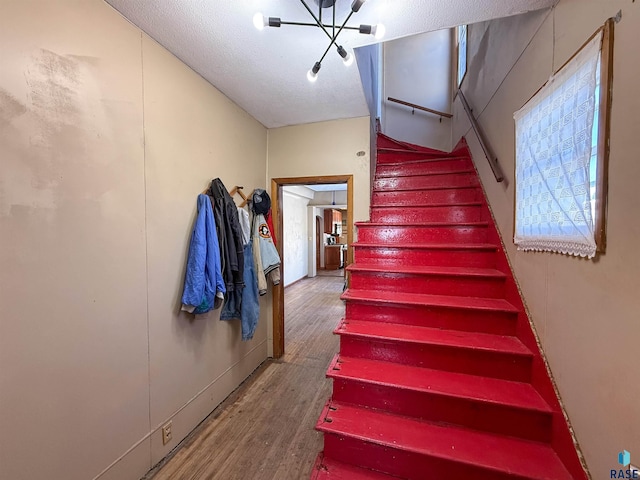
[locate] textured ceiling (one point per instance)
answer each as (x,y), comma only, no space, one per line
(264,72)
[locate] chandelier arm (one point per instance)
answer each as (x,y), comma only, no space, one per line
(333,40)
(303,24)
(318,22)
(334,20)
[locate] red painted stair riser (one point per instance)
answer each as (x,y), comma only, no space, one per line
(453,179)
(383,141)
(457,213)
(329,469)
(387,156)
(387,255)
(499,323)
(421,197)
(485,287)
(424,167)
(452,233)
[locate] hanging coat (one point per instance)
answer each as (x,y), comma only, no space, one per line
(229,235)
(204,286)
(265,254)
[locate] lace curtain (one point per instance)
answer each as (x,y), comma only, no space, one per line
(553,150)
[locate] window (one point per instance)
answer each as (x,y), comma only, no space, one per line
(562,154)
(462,53)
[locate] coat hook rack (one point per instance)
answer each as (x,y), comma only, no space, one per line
(238,189)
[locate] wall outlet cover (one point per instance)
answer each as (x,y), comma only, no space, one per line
(166,433)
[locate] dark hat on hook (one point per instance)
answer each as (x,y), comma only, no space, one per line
(261,202)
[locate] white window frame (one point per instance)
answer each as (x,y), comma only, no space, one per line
(598,163)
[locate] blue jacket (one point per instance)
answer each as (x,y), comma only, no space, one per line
(204,286)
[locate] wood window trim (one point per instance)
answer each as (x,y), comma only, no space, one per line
(604,134)
(604,122)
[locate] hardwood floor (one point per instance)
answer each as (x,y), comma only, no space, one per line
(331,273)
(264,430)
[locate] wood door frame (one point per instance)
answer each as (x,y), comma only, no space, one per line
(319,243)
(276,209)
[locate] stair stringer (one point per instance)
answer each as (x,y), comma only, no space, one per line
(563,439)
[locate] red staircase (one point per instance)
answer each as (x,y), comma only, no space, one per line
(439,375)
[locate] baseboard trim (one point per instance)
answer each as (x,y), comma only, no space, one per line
(296,281)
(148,451)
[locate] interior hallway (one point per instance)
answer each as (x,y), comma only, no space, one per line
(264,430)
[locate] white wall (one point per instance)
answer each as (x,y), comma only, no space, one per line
(369,60)
(370,67)
(295,232)
(106,140)
(324,148)
(417,69)
(585,312)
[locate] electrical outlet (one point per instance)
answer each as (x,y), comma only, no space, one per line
(166,433)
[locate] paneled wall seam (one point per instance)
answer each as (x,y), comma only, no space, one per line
(146,240)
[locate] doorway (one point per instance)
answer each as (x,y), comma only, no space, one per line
(277,185)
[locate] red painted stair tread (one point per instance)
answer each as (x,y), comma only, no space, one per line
(416,167)
(452,171)
(446,301)
(326,468)
(452,384)
(422,224)
(427,182)
(433,336)
(434,246)
(429,270)
(434,204)
(393,156)
(397,156)
(527,459)
(443,186)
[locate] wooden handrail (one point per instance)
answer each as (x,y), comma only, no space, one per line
(493,160)
(424,109)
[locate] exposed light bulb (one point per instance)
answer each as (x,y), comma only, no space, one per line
(379,31)
(312,76)
(348,60)
(258,21)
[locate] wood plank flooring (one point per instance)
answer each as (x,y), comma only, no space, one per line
(264,430)
(330,273)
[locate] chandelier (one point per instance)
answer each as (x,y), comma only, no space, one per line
(260,21)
